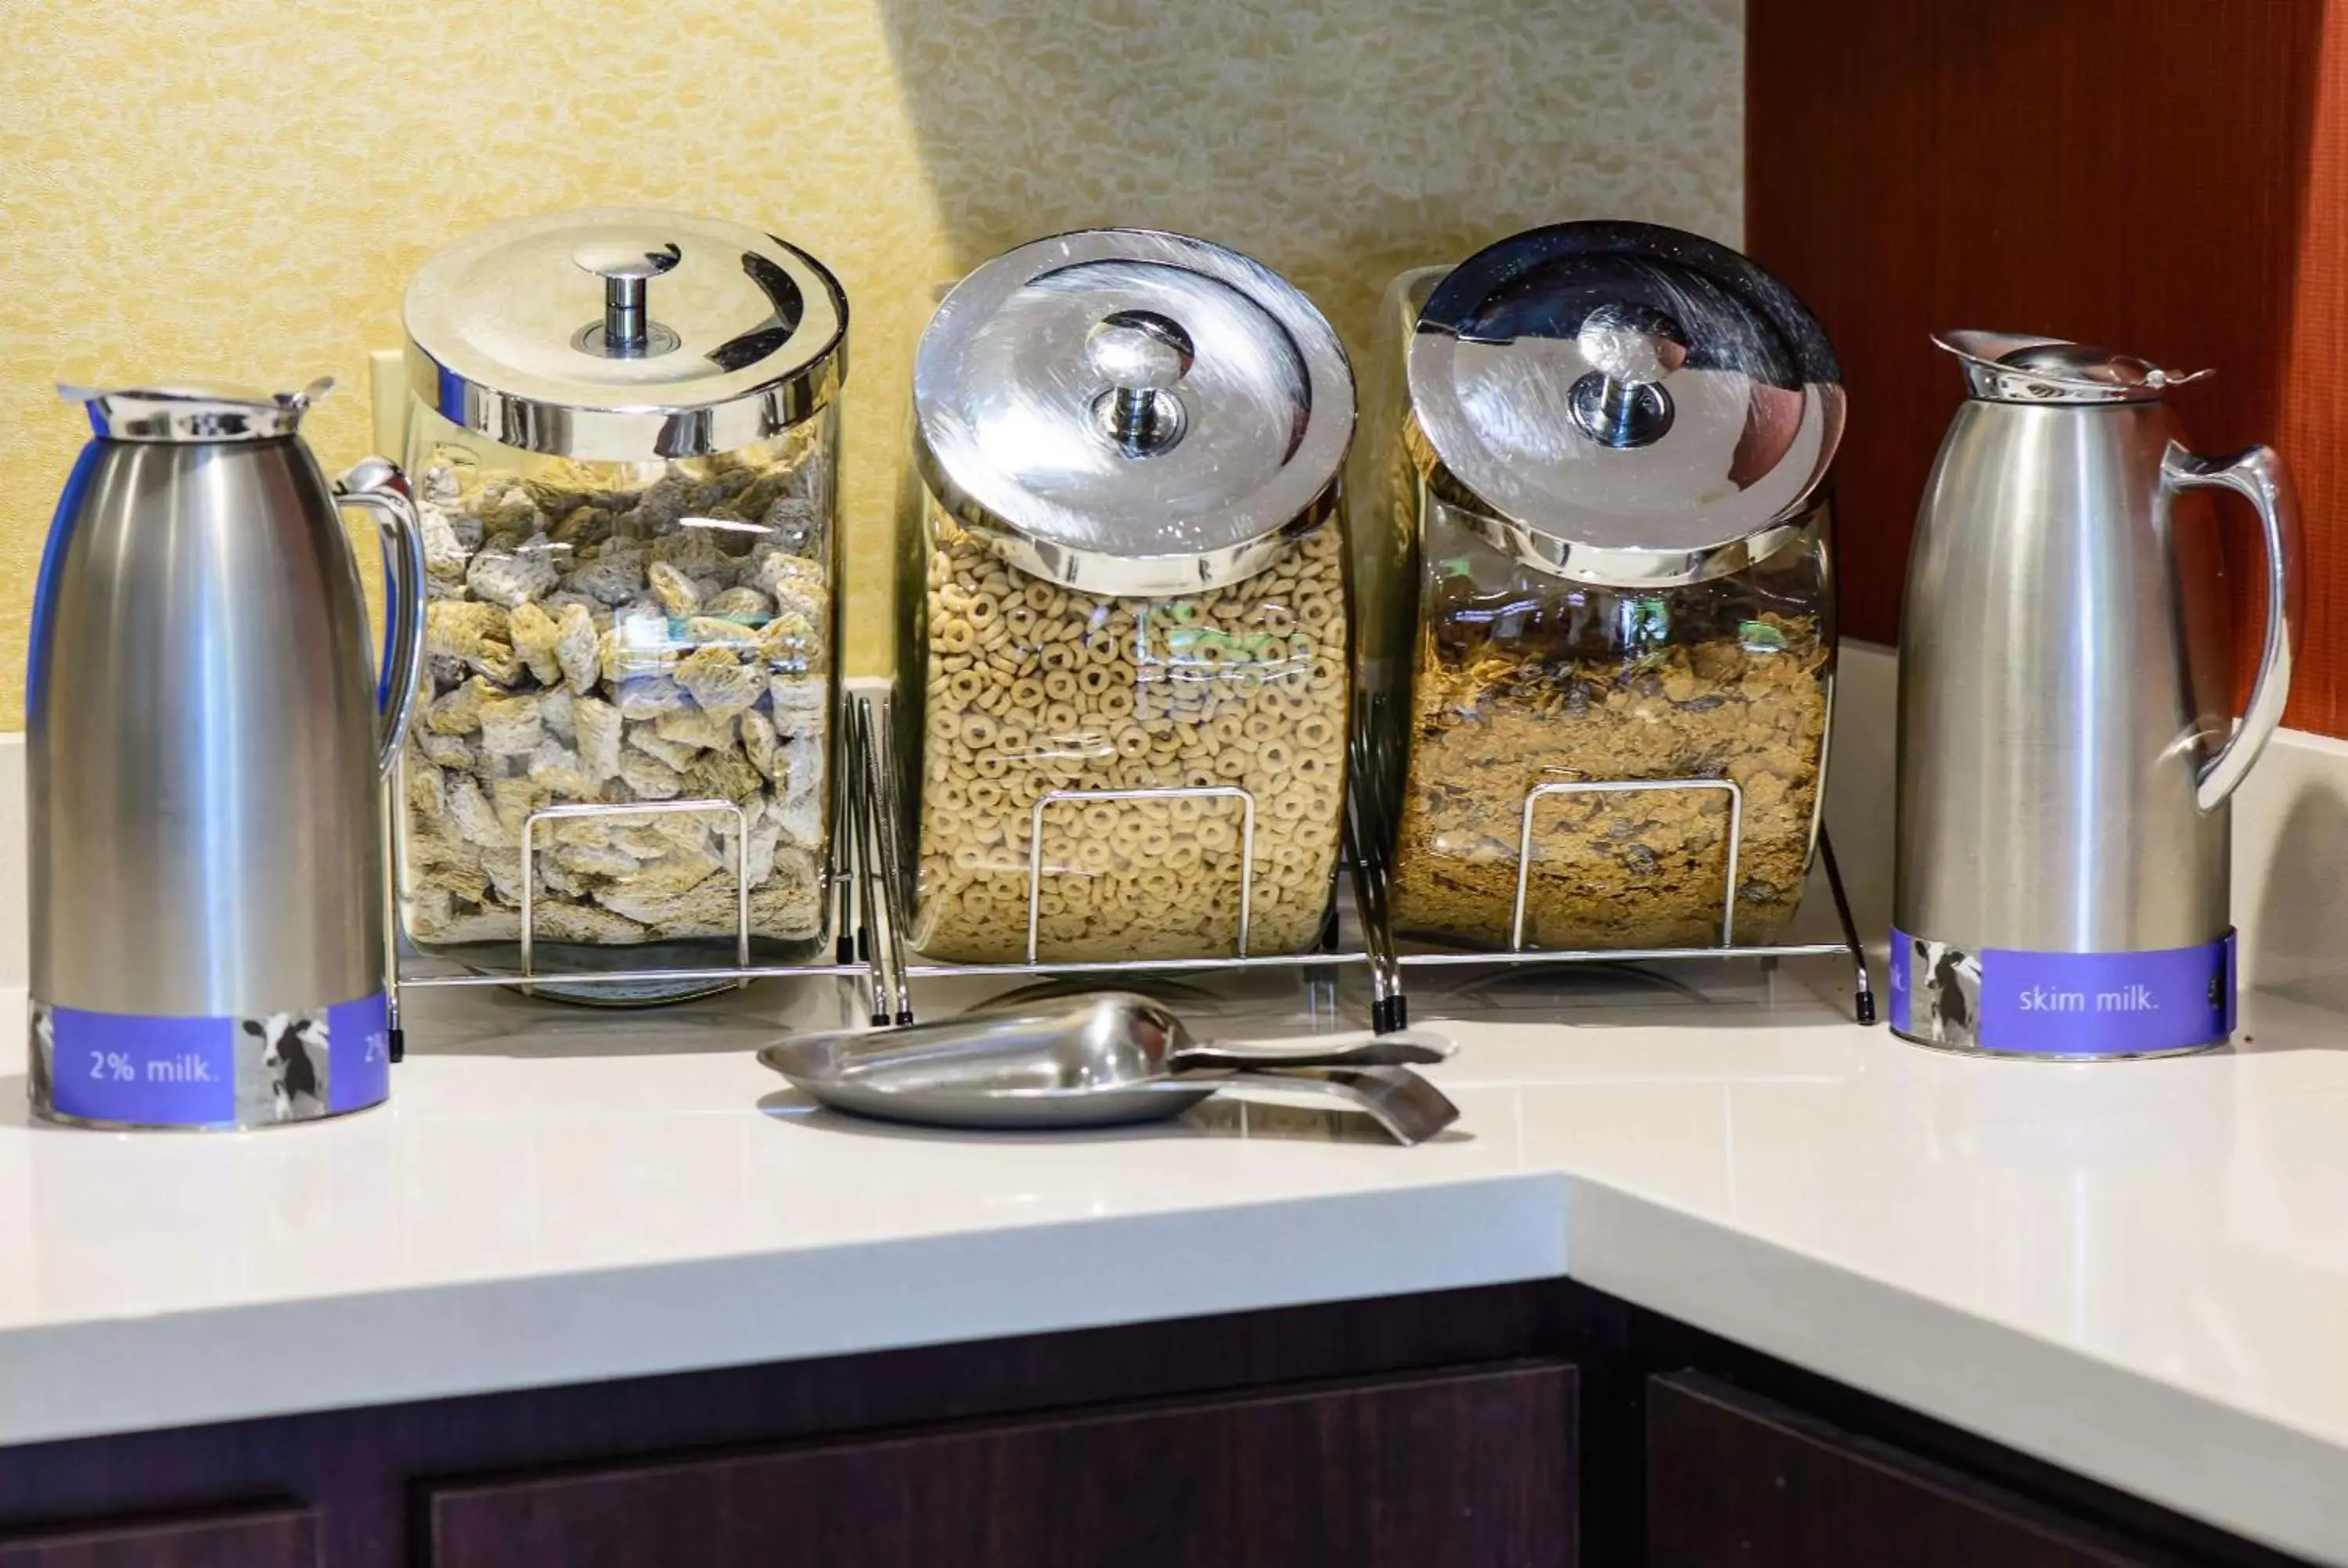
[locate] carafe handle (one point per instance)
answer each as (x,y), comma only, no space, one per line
(378,485)
(2256,476)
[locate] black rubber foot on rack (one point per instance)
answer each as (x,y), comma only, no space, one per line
(1867,1006)
(905,1018)
(879,1020)
(846,949)
(397,1045)
(1390,1015)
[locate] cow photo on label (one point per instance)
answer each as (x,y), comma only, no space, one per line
(40,1062)
(1946,1005)
(281,1067)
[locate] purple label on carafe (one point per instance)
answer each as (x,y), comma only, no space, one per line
(121,1067)
(210,1071)
(2062,1004)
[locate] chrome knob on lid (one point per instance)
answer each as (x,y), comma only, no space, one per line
(627,331)
(1142,355)
(1126,411)
(1630,349)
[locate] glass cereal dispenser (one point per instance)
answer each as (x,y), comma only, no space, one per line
(1602,648)
(623,437)
(1124,670)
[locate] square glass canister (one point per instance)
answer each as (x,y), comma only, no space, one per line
(624,439)
(1598,608)
(1125,667)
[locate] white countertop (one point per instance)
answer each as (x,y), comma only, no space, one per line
(2136,1271)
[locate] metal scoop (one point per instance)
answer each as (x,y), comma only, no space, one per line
(1095,1061)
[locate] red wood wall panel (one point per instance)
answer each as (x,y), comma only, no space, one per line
(2313,418)
(2166,176)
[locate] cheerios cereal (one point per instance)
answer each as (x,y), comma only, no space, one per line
(1032,690)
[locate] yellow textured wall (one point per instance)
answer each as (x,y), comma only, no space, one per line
(239,191)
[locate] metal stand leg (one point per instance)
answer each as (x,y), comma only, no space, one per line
(878,932)
(881,800)
(844,852)
(874,820)
(1865,988)
(394,1036)
(1389,1007)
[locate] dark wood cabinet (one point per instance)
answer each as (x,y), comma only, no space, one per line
(1534,1424)
(1471,1470)
(1738,1481)
(270,1538)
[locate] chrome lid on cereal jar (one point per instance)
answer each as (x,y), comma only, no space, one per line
(1622,404)
(1122,411)
(625,334)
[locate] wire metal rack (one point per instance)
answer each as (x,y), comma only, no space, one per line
(865,944)
(1367,941)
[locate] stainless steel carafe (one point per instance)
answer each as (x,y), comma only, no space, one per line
(207,738)
(2066,748)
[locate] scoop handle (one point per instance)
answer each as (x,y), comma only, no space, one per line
(1408,1106)
(1410,1048)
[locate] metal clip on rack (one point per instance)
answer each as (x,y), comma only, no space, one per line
(885,887)
(1184,792)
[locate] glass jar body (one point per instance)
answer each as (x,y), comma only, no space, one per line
(609,634)
(1533,699)
(1109,771)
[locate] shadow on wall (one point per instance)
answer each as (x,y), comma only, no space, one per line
(2296,946)
(1862,782)
(1339,143)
